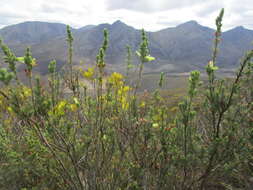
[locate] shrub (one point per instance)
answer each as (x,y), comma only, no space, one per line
(66,136)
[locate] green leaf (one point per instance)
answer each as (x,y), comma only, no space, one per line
(138,53)
(6,76)
(149,58)
(21,59)
(214,68)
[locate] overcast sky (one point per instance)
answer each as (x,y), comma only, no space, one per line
(148,14)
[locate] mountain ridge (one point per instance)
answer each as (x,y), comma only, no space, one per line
(182,48)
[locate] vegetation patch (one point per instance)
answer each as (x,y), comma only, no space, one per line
(86,130)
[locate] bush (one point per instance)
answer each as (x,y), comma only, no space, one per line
(67,136)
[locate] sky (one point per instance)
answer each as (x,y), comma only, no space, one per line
(152,15)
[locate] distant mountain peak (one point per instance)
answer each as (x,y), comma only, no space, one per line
(239,28)
(32,32)
(118,22)
(39,23)
(87,27)
(189,23)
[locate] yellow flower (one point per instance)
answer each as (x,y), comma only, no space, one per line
(123,90)
(73,107)
(62,104)
(10,110)
(143,104)
(124,103)
(27,91)
(116,79)
(126,89)
(123,96)
(89,74)
(60,108)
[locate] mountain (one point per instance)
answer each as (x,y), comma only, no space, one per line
(234,44)
(188,45)
(178,49)
(85,28)
(32,32)
(20,36)
(87,43)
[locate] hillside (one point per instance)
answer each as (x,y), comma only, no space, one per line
(179,49)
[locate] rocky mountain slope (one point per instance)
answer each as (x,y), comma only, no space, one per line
(179,49)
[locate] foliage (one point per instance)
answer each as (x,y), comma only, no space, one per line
(62,136)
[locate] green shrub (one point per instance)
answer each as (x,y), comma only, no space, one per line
(69,136)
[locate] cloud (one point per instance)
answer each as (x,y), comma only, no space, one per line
(208,8)
(238,13)
(76,12)
(150,5)
(149,14)
(168,23)
(10,15)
